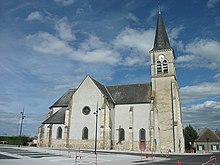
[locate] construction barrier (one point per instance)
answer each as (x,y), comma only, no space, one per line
(212,160)
(85,158)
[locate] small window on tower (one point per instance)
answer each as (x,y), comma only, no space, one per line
(159,67)
(165,66)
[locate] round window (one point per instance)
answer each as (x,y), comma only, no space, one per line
(86,110)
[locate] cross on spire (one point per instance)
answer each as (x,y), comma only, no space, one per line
(159,6)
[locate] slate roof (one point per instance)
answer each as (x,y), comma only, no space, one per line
(104,90)
(207,133)
(118,94)
(161,40)
(56,118)
(126,94)
(64,100)
(131,93)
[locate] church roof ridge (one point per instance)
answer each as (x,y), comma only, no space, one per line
(128,84)
(103,89)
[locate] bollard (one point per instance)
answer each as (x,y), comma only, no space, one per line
(178,163)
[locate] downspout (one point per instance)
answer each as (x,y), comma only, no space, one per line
(173,117)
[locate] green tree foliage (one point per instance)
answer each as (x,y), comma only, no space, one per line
(190,135)
(15,140)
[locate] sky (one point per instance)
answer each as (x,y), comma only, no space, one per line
(48,47)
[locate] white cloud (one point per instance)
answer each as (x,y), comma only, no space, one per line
(217,20)
(135,39)
(35,16)
(64,29)
(207,113)
(65,2)
(137,43)
(200,91)
(132,17)
(204,47)
(92,42)
(152,16)
(174,33)
(186,58)
(212,3)
(91,51)
(134,59)
(47,43)
(217,77)
(202,53)
(99,56)
(207,105)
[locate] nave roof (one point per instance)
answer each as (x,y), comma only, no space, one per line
(117,94)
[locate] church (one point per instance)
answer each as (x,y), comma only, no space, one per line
(129,117)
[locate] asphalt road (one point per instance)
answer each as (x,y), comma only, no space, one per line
(36,156)
(186,160)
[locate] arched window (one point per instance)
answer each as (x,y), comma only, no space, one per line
(142,134)
(121,135)
(165,66)
(162,66)
(159,67)
(59,133)
(85,133)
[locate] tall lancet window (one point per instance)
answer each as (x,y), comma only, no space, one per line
(142,139)
(85,133)
(121,135)
(59,133)
(142,134)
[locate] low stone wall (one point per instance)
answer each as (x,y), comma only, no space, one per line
(43,143)
(59,143)
(83,144)
(126,146)
(90,144)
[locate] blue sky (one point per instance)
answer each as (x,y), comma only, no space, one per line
(49,46)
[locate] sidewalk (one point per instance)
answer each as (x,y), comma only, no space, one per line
(55,156)
(47,156)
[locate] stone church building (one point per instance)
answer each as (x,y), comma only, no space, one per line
(131,117)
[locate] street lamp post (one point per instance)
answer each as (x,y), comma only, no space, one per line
(22,119)
(96,113)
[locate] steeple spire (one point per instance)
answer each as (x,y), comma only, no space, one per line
(161,40)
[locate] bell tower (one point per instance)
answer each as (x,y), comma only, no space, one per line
(167,126)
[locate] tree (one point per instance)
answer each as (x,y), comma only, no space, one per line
(190,135)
